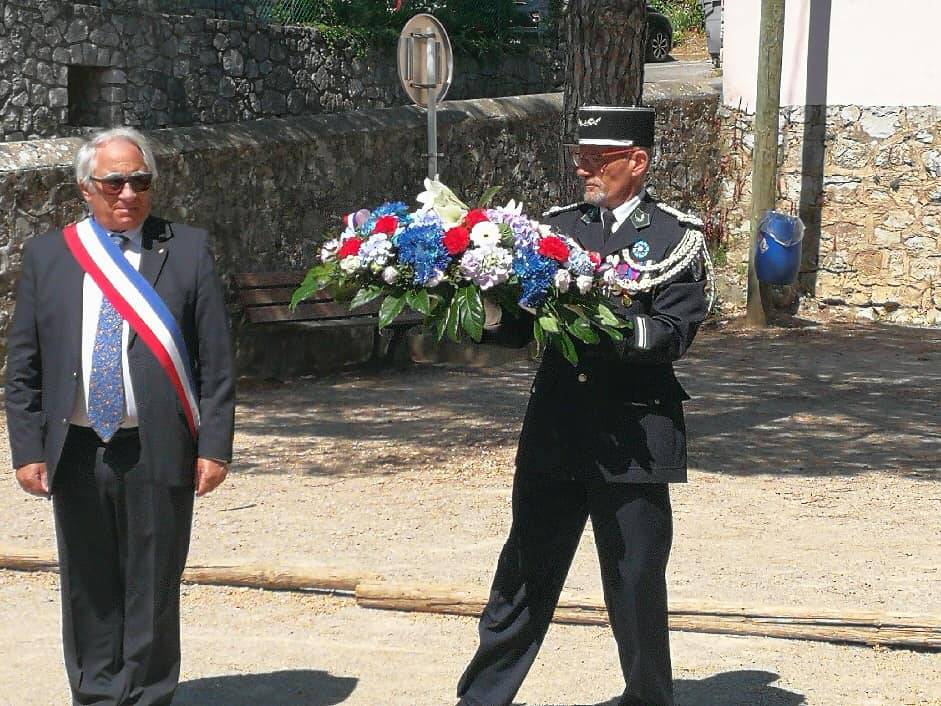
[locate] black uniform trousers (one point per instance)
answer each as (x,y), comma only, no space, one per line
(633,532)
(123,541)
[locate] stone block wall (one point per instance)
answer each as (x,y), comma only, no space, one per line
(269,190)
(67,67)
(865,182)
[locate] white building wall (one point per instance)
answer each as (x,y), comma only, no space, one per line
(859,52)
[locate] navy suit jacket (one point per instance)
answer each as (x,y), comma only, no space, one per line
(44,354)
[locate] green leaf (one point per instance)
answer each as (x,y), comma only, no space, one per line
(391,307)
(506,234)
(549,323)
(419,301)
(539,334)
(315,280)
(454,319)
(472,311)
(568,348)
(582,330)
(613,333)
(487,196)
(606,316)
(365,295)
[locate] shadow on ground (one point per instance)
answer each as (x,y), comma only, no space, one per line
(813,401)
(298,687)
(742,688)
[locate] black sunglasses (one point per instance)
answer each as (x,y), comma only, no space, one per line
(114,184)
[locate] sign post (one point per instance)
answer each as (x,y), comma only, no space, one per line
(426,66)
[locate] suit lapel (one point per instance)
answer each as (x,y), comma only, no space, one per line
(71,279)
(155,236)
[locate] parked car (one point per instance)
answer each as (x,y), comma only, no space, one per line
(659,29)
(659,36)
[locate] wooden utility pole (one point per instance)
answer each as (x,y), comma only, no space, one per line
(765,157)
(604,64)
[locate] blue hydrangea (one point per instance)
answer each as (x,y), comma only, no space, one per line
(535,274)
(579,262)
(389,208)
(421,248)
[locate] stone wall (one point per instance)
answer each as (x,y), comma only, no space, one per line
(270,189)
(65,67)
(865,182)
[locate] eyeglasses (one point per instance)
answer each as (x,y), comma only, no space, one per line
(592,160)
(113,184)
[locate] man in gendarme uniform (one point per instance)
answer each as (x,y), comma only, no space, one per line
(602,439)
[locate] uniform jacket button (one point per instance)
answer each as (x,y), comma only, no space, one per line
(582,377)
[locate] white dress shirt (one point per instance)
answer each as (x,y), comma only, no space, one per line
(624,211)
(91,306)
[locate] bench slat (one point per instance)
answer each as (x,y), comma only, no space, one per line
(278,295)
(245,280)
(329,314)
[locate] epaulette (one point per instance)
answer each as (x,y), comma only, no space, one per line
(555,210)
(684,218)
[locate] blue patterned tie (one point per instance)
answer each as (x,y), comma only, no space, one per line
(106,385)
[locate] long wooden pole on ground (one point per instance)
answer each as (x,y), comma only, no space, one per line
(910,632)
(765,157)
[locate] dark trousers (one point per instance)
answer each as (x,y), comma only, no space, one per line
(633,533)
(122,542)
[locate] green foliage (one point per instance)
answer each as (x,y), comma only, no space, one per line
(475,28)
(685,16)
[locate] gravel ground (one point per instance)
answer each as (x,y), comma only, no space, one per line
(815,468)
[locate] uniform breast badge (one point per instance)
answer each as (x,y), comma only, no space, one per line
(640,250)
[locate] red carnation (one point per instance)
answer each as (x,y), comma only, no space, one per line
(456,240)
(349,247)
(554,248)
(595,258)
(478,215)
(386,224)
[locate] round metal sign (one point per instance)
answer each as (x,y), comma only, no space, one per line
(426,62)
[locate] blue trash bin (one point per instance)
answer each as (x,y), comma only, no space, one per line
(778,256)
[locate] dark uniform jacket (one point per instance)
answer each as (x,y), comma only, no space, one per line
(44,354)
(619,411)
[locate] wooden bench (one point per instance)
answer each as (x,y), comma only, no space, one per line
(266,297)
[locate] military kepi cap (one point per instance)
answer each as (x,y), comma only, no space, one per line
(615,126)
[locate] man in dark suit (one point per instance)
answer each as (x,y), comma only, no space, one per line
(98,422)
(604,438)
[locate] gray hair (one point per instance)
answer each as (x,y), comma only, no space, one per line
(87,154)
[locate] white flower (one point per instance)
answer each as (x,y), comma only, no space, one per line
(613,260)
(610,277)
(563,279)
(436,279)
(544,230)
(584,282)
(448,206)
(515,208)
(390,275)
(485,235)
(329,250)
(351,263)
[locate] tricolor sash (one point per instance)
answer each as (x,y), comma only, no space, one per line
(135,300)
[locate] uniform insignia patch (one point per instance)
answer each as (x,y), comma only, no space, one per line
(640,218)
(640,250)
(592,215)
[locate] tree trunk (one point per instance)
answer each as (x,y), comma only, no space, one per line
(604,65)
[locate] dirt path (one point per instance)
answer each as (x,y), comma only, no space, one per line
(815,482)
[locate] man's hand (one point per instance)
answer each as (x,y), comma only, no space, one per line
(209,474)
(33,479)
